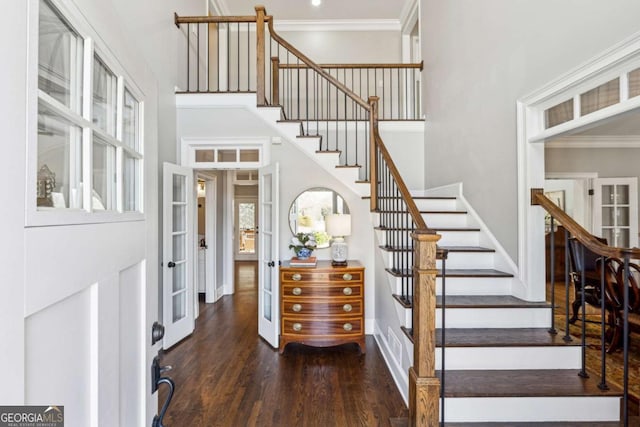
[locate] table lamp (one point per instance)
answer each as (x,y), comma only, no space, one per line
(338,226)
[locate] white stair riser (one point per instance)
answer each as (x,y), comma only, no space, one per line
(311,145)
(445,220)
(474,358)
(495,317)
(468,260)
(459,238)
(290,129)
(436,204)
(271,114)
(475,285)
(513,409)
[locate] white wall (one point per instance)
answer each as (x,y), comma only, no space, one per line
(480,57)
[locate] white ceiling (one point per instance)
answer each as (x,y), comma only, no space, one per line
(328,10)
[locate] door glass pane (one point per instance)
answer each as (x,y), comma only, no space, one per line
(267,216)
(608,234)
(205,155)
(179,306)
(179,218)
(622,194)
(179,246)
(130,121)
(179,188)
(623,237)
(227,156)
(105,90)
(600,97)
(60,52)
(267,192)
(179,279)
(267,238)
(104,174)
(247,227)
(266,306)
(59,179)
(558,114)
(608,217)
(607,195)
(130,182)
(249,155)
(622,217)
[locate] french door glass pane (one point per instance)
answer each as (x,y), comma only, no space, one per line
(59,177)
(608,233)
(608,195)
(105,90)
(179,247)
(622,194)
(60,52)
(622,217)
(130,121)
(104,172)
(247,227)
(130,182)
(179,279)
(179,306)
(179,218)
(266,309)
(623,238)
(608,217)
(179,188)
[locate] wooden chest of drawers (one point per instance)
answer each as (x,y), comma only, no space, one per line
(322,306)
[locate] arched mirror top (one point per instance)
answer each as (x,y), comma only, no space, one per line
(309,210)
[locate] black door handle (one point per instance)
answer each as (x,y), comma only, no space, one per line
(156,380)
(171,264)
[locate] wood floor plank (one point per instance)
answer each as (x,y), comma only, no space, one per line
(227,376)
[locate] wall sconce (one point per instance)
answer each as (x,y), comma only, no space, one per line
(339,226)
(316,2)
(201,192)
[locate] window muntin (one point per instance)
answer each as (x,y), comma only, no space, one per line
(60,52)
(110,178)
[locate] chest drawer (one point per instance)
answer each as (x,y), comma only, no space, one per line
(321,307)
(312,276)
(331,327)
(321,291)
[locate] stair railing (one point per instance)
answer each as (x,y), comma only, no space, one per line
(219,58)
(613,293)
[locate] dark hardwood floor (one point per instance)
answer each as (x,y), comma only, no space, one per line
(227,376)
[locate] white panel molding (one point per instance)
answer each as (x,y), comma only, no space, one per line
(595,141)
(337,25)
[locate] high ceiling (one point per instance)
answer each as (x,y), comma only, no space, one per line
(329,9)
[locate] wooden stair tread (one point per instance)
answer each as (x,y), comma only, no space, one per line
(523,383)
(455,272)
(489,301)
(636,421)
(501,337)
(429,212)
(437,229)
(414,197)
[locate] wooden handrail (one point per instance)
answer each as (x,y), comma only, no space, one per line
(301,56)
(213,19)
(576,230)
(356,66)
(402,187)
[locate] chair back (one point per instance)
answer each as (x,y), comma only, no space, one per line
(575,256)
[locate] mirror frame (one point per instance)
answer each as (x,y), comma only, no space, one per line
(338,205)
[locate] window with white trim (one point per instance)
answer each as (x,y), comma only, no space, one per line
(89,144)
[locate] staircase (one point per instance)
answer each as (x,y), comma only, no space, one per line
(500,363)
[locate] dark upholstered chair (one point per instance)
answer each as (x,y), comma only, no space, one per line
(591,289)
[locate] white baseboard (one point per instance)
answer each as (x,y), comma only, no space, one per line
(400,377)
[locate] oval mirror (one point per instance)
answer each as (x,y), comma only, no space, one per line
(309,209)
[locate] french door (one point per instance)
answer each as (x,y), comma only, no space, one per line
(177,254)
(268,304)
(615,211)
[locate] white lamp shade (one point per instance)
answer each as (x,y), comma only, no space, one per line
(338,225)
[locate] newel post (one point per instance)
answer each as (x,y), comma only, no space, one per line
(373,151)
(275,82)
(260,65)
(424,386)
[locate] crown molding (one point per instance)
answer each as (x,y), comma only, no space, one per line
(338,25)
(595,141)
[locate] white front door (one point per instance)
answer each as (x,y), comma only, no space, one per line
(177,253)
(615,211)
(268,304)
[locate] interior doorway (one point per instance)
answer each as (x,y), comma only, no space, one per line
(246,228)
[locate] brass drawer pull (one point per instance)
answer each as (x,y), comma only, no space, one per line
(347,291)
(347,307)
(296,291)
(297,327)
(296,276)
(347,327)
(296,307)
(347,276)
